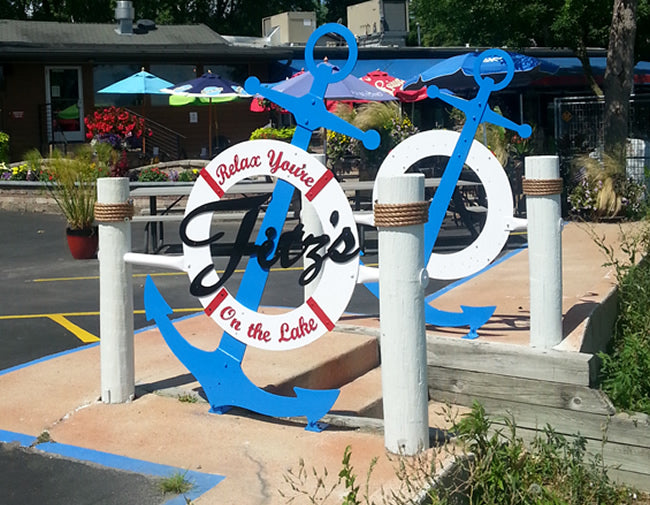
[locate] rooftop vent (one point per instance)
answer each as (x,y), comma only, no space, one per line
(145,25)
(124,14)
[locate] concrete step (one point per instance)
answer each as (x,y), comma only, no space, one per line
(333,362)
(361,397)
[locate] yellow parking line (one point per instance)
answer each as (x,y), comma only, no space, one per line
(77,331)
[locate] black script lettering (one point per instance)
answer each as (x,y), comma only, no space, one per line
(348,251)
(266,248)
(346,238)
(310,273)
(287,240)
(252,205)
(272,249)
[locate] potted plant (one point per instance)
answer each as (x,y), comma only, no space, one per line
(71,181)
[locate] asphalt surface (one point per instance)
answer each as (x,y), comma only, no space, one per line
(50,304)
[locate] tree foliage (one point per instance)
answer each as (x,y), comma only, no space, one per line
(228,17)
(511,23)
(576,24)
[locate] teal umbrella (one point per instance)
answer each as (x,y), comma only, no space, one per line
(140,83)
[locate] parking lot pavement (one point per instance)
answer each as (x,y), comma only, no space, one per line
(31,477)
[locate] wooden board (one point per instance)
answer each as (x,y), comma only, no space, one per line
(551,394)
(593,426)
(512,360)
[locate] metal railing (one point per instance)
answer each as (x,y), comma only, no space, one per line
(167,142)
(164,141)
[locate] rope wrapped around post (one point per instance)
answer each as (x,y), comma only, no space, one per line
(542,187)
(113,212)
(401,214)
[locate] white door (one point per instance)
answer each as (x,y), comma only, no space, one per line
(63,94)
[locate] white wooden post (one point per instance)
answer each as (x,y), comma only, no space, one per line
(310,220)
(115,298)
(402,278)
(544,250)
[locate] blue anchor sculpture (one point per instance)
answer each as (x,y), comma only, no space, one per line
(219,371)
(476,111)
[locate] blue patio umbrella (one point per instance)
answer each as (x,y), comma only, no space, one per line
(351,88)
(140,83)
(207,89)
(457,73)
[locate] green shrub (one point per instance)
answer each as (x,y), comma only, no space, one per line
(284,134)
(152,175)
(552,469)
(175,484)
(4,147)
(625,374)
(626,366)
(494,466)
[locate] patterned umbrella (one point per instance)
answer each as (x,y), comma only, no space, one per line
(349,89)
(394,86)
(209,89)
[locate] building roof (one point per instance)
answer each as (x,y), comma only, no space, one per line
(32,40)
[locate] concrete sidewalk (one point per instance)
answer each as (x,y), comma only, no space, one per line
(61,395)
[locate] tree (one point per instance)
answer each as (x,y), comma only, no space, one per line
(557,23)
(337,10)
(513,23)
(579,25)
(619,78)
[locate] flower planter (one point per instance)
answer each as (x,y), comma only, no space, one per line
(83,243)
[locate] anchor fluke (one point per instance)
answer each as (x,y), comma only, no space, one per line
(155,305)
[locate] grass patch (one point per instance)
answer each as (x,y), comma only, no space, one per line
(43,438)
(187,398)
(176,483)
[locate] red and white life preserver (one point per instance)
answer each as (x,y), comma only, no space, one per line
(318,314)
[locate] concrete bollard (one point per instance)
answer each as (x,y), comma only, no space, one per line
(543,186)
(402,278)
(115,296)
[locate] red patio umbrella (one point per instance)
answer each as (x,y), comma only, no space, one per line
(393,85)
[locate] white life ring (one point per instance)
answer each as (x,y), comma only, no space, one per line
(331,296)
(499,218)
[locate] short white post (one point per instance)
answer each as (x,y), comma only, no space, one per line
(543,187)
(115,297)
(312,225)
(402,279)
